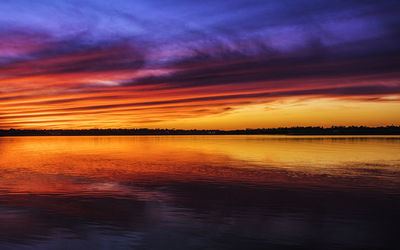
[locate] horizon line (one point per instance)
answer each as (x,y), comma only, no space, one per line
(333,130)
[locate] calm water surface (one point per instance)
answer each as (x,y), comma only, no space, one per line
(200,192)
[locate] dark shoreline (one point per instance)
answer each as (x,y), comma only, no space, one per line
(335,130)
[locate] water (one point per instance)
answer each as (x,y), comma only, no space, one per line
(200,192)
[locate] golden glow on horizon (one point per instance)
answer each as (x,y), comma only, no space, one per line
(79,101)
(285,112)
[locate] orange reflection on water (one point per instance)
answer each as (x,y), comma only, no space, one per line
(90,165)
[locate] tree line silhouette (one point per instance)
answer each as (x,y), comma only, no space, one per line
(334,130)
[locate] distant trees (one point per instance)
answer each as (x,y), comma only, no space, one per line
(334,130)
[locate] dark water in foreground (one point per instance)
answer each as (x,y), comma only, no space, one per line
(200,192)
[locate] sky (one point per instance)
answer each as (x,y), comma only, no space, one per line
(206,64)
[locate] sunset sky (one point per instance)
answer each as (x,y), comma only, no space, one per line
(205,64)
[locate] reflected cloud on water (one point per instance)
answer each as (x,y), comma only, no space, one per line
(218,192)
